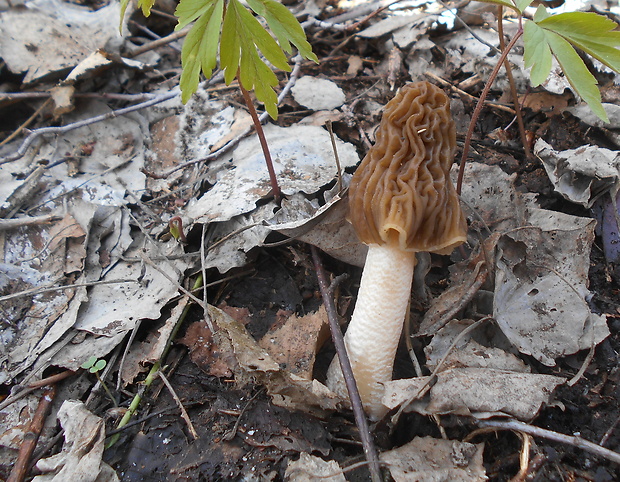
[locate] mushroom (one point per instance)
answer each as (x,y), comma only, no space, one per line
(401,201)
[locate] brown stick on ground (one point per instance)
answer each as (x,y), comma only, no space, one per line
(20,469)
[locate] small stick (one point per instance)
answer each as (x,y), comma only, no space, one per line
(176,398)
(335,149)
(20,469)
(21,151)
(158,43)
(338,339)
(554,436)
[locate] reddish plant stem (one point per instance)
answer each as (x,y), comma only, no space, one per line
(277,194)
(345,365)
(480,104)
(513,87)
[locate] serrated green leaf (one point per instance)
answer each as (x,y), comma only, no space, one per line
(254,33)
(590,32)
(189,10)
(146,6)
(537,53)
(199,51)
(576,73)
(285,26)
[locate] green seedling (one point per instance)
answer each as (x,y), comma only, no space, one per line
(547,36)
(558,36)
(232,29)
(95,365)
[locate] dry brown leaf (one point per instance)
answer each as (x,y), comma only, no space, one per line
(294,344)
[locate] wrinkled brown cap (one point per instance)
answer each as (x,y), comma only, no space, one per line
(401,193)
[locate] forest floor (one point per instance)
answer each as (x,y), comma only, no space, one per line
(102,194)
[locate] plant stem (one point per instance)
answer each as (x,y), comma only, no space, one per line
(511,80)
(480,104)
(277,194)
(107,390)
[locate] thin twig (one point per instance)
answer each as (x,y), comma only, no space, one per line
(554,436)
(7,224)
(158,43)
(176,398)
(47,289)
(228,436)
(26,143)
(28,121)
(338,339)
(335,149)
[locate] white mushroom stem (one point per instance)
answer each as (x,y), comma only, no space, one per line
(376,325)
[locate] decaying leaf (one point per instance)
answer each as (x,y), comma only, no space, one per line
(50,36)
(81,455)
(580,175)
(432,460)
(309,468)
(541,287)
(253,362)
(294,344)
(479,392)
(303,161)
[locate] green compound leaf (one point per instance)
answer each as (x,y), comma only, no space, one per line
(558,35)
(242,35)
(285,26)
(590,32)
(199,51)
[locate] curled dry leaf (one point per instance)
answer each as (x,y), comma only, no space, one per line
(81,455)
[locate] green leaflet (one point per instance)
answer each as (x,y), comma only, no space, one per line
(242,35)
(284,25)
(189,10)
(590,32)
(200,49)
(537,53)
(146,6)
(559,35)
(577,73)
